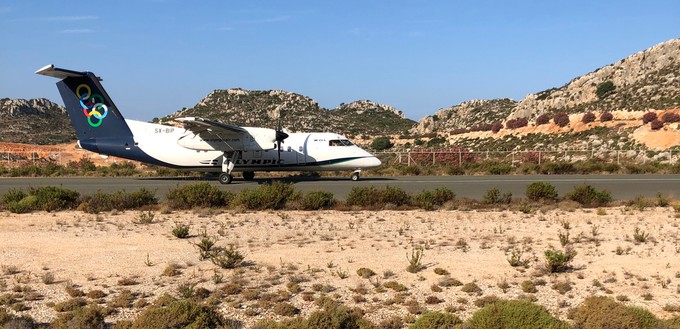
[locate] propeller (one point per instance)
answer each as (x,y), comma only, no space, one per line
(280,135)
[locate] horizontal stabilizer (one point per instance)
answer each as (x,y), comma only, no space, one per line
(58,73)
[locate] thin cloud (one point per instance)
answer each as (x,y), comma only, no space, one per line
(77,31)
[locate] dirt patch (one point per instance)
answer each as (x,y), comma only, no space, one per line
(322,251)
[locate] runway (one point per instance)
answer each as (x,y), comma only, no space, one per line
(621,186)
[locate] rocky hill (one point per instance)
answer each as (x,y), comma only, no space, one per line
(646,81)
(34,121)
(262,108)
(649,79)
(470,114)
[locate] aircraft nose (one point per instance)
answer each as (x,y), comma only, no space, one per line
(372,162)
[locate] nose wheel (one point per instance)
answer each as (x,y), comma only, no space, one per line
(356,175)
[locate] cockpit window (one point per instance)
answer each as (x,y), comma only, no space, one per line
(339,142)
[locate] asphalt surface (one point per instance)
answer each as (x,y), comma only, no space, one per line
(621,186)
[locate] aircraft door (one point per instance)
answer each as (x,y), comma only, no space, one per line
(302,151)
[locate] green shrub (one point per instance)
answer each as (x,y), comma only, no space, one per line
(493,196)
(514,314)
(365,272)
(500,169)
(394,195)
(120,200)
(268,196)
(604,312)
(25,205)
(335,316)
(91,317)
(51,198)
(199,195)
(381,143)
(13,195)
(286,309)
(316,200)
(226,257)
(541,191)
(369,196)
(179,314)
(47,198)
(558,261)
(588,196)
(604,89)
(437,320)
(363,196)
(8,320)
(181,231)
(432,199)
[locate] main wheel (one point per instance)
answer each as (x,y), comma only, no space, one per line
(225,178)
(355,176)
(248,175)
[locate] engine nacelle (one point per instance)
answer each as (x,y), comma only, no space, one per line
(259,139)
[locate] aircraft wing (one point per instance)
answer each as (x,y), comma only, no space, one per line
(208,129)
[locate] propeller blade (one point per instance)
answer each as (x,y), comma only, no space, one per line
(280,136)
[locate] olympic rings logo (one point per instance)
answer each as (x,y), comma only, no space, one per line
(92,104)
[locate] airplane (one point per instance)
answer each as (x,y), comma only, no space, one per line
(198,144)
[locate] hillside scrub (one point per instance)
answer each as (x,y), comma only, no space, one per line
(542,119)
(561,119)
(648,117)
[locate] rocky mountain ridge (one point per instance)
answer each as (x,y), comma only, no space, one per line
(34,121)
(263,108)
(647,80)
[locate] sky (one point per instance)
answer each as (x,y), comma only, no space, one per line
(158,56)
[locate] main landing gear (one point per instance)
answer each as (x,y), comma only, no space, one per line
(228,163)
(248,175)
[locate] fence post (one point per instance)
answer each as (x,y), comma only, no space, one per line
(539,158)
(433,157)
(460,158)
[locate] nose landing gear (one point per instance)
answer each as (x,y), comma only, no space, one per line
(356,175)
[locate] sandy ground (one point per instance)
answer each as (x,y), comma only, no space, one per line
(321,251)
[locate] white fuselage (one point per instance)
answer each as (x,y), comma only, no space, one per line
(299,152)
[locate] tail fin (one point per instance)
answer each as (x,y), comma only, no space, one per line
(93,114)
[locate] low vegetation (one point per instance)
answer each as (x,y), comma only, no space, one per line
(280,195)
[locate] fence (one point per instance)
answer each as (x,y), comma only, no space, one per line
(460,157)
(16,156)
